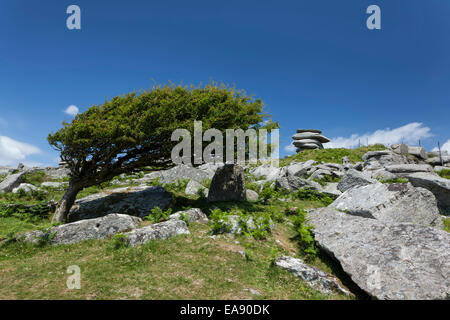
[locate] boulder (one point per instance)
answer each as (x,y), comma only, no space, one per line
(378,159)
(352,179)
(55,185)
(176,173)
(99,228)
(320,174)
(398,261)
(309,130)
(266,172)
(228,184)
(195,215)
(300,169)
(11,181)
(331,189)
(25,187)
(5,170)
(193,187)
(419,152)
(437,160)
(316,278)
(162,230)
(310,135)
(252,195)
(293,183)
(135,201)
(382,174)
(400,148)
(404,170)
(391,203)
(440,187)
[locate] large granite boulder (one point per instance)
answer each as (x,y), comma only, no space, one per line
(404,170)
(316,278)
(437,160)
(300,169)
(393,203)
(179,172)
(354,178)
(98,228)
(266,172)
(228,184)
(293,183)
(135,201)
(25,187)
(162,230)
(419,152)
(392,261)
(374,160)
(11,181)
(440,187)
(194,215)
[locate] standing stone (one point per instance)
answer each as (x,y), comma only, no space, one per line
(228,184)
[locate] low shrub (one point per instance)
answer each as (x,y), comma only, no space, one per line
(303,235)
(158,215)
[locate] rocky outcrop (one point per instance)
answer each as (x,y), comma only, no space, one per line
(5,170)
(437,160)
(374,160)
(316,278)
(404,170)
(11,181)
(26,188)
(266,172)
(99,228)
(352,179)
(178,172)
(293,183)
(300,169)
(162,230)
(309,139)
(440,187)
(228,184)
(419,152)
(391,203)
(136,201)
(387,260)
(194,215)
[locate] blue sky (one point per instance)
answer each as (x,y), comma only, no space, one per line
(314,64)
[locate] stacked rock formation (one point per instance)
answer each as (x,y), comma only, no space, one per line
(309,139)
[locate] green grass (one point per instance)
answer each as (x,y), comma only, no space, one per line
(395,180)
(185,267)
(331,155)
(444,173)
(446,223)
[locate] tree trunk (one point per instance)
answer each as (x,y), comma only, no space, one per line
(64,205)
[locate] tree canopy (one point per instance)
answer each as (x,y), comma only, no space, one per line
(134,130)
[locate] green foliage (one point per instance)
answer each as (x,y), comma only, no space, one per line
(444,173)
(314,195)
(2,177)
(119,241)
(303,234)
(395,180)
(269,193)
(132,131)
(206,183)
(219,222)
(45,238)
(446,223)
(184,216)
(158,215)
(35,178)
(331,155)
(155,182)
(326,179)
(28,213)
(178,186)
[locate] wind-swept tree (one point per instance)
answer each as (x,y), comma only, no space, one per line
(133,131)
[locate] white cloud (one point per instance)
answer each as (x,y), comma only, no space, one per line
(12,151)
(410,134)
(290,148)
(72,110)
(444,147)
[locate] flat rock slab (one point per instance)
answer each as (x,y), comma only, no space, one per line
(180,172)
(316,278)
(99,228)
(135,201)
(309,130)
(388,261)
(397,203)
(162,230)
(194,215)
(310,135)
(11,181)
(440,187)
(404,170)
